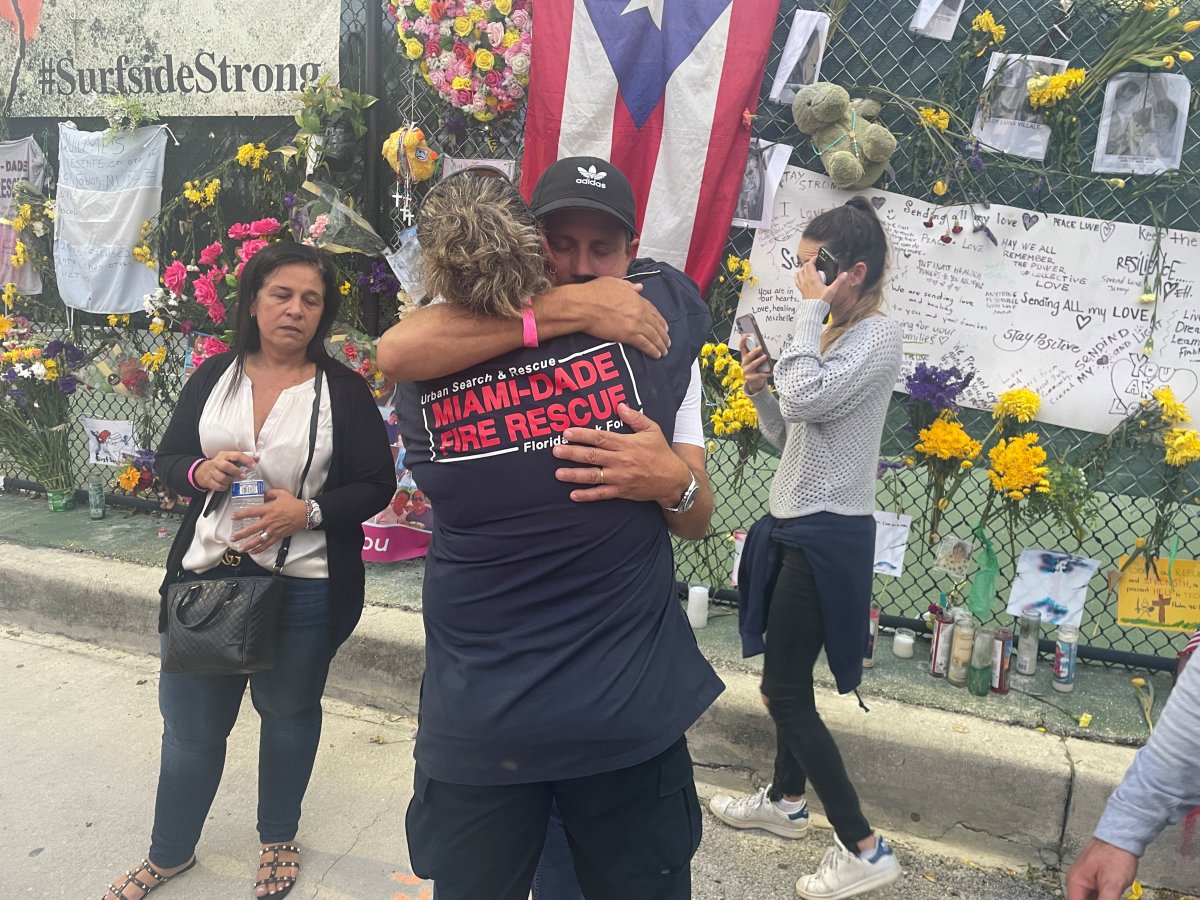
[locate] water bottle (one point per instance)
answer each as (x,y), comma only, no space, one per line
(248,492)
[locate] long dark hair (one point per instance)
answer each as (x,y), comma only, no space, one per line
(853,233)
(262,265)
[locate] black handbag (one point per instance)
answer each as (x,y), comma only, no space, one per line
(227,625)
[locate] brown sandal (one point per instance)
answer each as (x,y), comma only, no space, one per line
(288,881)
(131,879)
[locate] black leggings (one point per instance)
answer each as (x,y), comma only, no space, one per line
(805,750)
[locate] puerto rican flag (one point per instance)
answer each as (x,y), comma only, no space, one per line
(664,90)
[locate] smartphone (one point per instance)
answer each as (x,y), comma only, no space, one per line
(748,326)
(826,265)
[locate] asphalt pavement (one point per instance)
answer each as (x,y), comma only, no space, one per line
(79,754)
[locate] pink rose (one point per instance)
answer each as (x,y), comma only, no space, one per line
(216,312)
(438,79)
(175,277)
(206,292)
(239,232)
(495,33)
(185,327)
(492,78)
(264,227)
(211,253)
(515,91)
(460,50)
(519,19)
(462,98)
(248,249)
(433,49)
(320,223)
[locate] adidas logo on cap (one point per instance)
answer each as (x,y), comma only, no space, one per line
(591,177)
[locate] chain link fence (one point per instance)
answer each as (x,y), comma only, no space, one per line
(871,46)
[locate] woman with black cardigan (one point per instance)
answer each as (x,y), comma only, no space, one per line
(247,409)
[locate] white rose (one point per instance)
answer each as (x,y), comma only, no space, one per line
(519,64)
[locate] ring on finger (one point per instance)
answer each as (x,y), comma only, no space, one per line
(264,536)
(601,481)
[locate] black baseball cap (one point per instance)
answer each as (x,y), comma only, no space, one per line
(585,182)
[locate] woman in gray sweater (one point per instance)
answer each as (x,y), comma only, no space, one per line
(832,387)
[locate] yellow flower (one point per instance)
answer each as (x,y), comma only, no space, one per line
(157,326)
(414,49)
(462,26)
(943,503)
(1186,56)
(477,14)
(6,325)
(1168,61)
(252,155)
(986,23)
(1139,543)
(945,438)
(1135,891)
(1173,12)
(934,118)
(1191,26)
(1047,90)
(965,464)
(510,36)
(19,257)
(344,289)
(145,256)
(1115,183)
(461,83)
(128,478)
(1018,467)
(10,295)
(504,7)
(1171,409)
(1021,404)
(940,187)
(422,6)
(1182,446)
(484,60)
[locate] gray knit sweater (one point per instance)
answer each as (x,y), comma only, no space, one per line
(828,415)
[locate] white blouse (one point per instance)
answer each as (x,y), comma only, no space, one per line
(227,423)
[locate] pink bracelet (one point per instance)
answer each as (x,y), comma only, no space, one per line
(192,472)
(530,324)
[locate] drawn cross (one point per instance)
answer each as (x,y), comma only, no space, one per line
(1161,603)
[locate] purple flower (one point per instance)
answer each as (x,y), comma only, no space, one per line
(1037,184)
(144,459)
(289,200)
(17,394)
(380,280)
(974,160)
(886,466)
(10,375)
(67,384)
(936,386)
(53,349)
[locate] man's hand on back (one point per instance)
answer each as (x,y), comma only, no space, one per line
(614,310)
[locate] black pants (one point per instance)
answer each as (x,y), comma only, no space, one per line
(805,750)
(632,832)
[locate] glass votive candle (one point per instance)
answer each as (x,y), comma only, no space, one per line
(902,643)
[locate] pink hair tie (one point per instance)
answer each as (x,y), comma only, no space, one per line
(192,471)
(530,323)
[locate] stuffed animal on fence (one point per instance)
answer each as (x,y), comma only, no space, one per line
(854,149)
(409,140)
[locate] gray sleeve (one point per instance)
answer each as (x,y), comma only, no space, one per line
(770,421)
(1163,784)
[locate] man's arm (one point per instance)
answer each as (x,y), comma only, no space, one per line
(440,340)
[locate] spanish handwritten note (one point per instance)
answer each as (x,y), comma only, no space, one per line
(1021,298)
(1168,599)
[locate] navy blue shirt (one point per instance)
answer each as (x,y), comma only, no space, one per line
(555,643)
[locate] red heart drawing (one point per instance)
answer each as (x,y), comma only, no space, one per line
(31,12)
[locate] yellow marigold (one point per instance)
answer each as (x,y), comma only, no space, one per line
(1172,410)
(1182,446)
(1047,90)
(19,257)
(946,439)
(934,118)
(1018,467)
(128,478)
(462,26)
(985,23)
(484,60)
(252,155)
(1021,404)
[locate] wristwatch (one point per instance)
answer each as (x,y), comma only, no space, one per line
(688,500)
(312,515)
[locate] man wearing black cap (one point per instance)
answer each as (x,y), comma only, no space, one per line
(574,673)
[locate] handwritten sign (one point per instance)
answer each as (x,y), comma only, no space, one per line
(1051,305)
(1156,601)
(206,57)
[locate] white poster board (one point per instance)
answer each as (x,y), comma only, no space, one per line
(110,441)
(1053,305)
(1053,584)
(201,58)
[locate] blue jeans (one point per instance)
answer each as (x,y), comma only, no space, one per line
(199,712)
(555,878)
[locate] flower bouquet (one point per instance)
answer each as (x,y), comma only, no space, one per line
(474,53)
(39,377)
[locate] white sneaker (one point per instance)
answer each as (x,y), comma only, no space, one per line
(757,811)
(844,874)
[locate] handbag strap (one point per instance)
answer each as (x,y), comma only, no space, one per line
(286,544)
